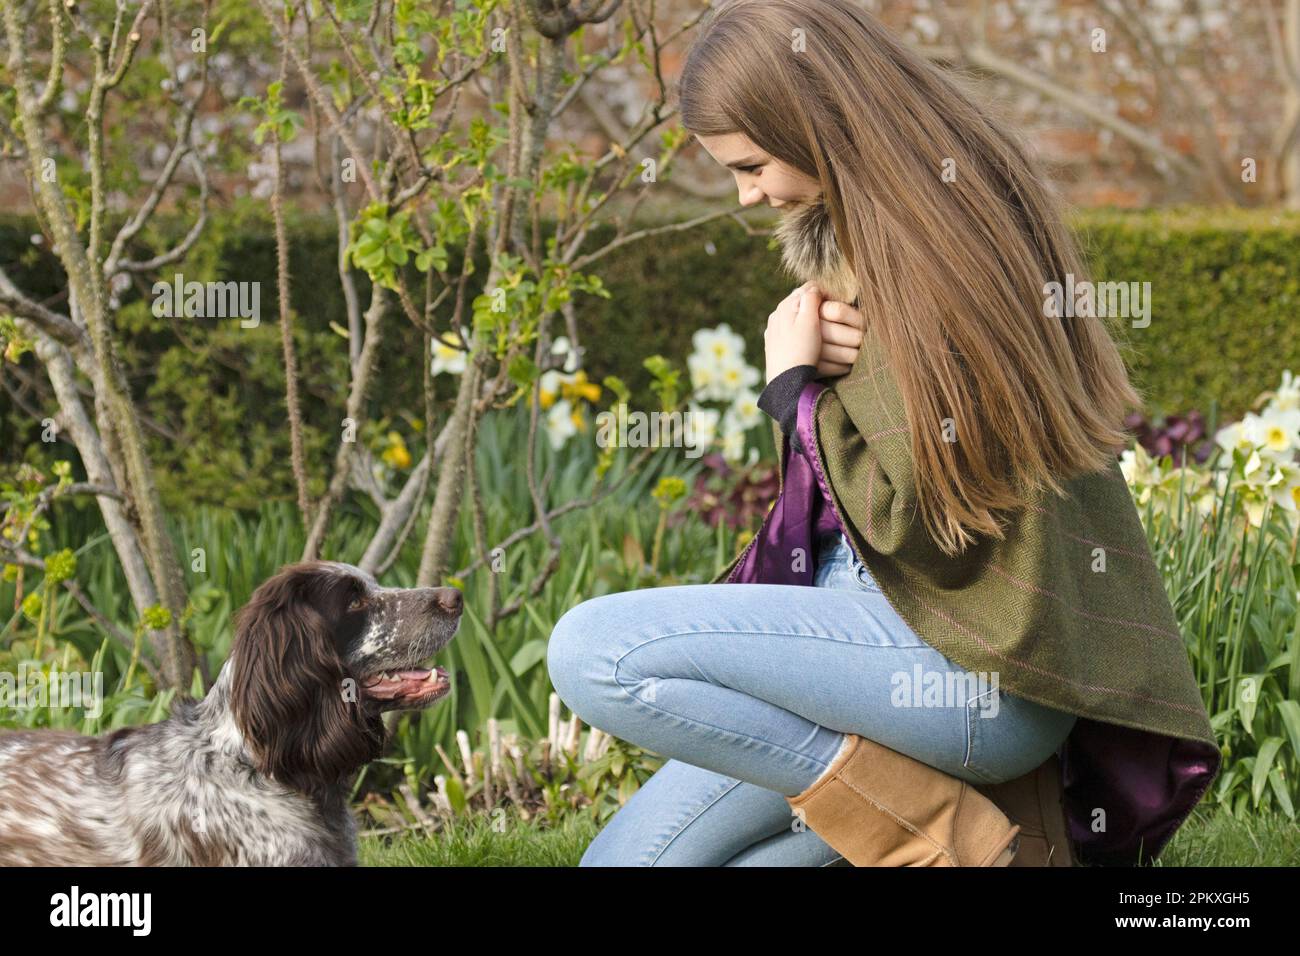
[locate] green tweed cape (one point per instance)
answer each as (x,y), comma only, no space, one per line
(1102,644)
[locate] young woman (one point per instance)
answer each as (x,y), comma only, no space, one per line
(949,635)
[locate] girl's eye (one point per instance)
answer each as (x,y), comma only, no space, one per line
(748,169)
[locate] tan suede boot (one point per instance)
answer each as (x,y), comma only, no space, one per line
(878,807)
(1033,801)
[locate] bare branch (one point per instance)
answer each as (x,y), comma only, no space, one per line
(57,326)
(181,249)
(58,52)
(182,148)
(982,58)
(322,100)
(291,400)
(356,399)
(576,505)
(584,261)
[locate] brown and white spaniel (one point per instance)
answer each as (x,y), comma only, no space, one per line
(258,772)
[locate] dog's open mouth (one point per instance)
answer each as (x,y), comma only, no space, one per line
(409,688)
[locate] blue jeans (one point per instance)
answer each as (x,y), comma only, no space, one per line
(749,690)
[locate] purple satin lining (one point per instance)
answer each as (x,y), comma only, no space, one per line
(784,550)
(1125,791)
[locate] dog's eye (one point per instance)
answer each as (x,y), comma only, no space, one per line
(357,603)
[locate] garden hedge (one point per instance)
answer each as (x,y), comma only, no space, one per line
(1225,289)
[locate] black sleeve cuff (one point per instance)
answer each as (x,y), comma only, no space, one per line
(780,399)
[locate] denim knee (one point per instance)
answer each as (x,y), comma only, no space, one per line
(574,654)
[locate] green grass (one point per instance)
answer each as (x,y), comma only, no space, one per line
(1206,839)
(1213,838)
(503,840)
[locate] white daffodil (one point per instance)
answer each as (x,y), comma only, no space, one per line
(704,424)
(561,346)
(717,365)
(1287,396)
(744,410)
(1286,489)
(1253,464)
(446,357)
(560,426)
(1254,509)
(706,375)
(720,344)
(1278,431)
(735,377)
(1128,466)
(733,445)
(1205,504)
(1234,437)
(550,384)
(735,340)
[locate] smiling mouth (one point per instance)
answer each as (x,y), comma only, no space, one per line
(417,687)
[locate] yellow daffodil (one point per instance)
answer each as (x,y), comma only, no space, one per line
(549,388)
(577,388)
(396,454)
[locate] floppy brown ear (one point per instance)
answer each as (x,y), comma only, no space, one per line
(287,689)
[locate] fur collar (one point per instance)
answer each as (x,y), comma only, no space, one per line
(810,252)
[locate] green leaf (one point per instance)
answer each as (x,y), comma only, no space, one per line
(1278,786)
(523,370)
(1263,764)
(371,260)
(1248,692)
(617,386)
(456,795)
(1290,713)
(528,656)
(435,256)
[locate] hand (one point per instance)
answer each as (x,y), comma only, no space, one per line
(842,329)
(793,335)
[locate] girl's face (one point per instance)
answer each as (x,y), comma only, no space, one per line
(759,177)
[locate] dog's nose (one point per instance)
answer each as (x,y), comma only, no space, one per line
(448,600)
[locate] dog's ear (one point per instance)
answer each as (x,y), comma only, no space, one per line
(288,691)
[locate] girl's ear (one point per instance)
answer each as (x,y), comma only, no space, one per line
(288,694)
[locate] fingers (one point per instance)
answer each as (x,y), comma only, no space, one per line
(843,313)
(832,368)
(810,301)
(838,334)
(839,354)
(789,308)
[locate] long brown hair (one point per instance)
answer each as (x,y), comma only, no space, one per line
(951,275)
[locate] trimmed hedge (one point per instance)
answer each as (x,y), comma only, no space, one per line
(1225,287)
(1225,313)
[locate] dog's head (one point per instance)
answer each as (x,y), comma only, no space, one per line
(321,650)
